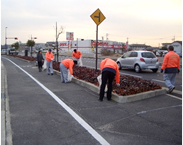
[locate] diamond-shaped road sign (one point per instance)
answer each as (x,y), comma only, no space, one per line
(97,17)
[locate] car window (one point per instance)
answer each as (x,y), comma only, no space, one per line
(126,55)
(133,54)
(147,55)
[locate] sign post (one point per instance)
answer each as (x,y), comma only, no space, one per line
(97,17)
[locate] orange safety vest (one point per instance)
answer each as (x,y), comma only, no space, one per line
(49,56)
(111,64)
(68,63)
(171,60)
(77,55)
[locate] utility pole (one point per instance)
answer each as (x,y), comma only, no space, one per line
(6,38)
(173,39)
(56,42)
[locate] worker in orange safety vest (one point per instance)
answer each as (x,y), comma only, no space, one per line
(109,70)
(49,63)
(77,55)
(171,65)
(65,65)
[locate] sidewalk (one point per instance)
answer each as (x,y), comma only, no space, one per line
(6,136)
(2,104)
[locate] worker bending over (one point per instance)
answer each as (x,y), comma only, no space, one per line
(64,66)
(109,70)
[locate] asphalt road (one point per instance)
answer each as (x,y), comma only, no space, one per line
(45,111)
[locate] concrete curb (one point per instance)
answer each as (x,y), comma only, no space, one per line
(6,138)
(117,98)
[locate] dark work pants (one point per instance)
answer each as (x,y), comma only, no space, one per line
(106,76)
(40,65)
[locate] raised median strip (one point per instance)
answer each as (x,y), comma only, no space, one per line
(116,97)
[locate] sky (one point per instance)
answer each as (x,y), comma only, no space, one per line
(150,22)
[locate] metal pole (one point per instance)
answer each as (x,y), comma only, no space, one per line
(96,46)
(77,43)
(6,38)
(31,46)
(56,42)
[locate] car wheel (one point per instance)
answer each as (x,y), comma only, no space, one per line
(154,70)
(137,68)
(119,65)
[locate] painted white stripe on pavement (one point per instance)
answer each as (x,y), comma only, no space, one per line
(97,136)
(157,80)
(174,96)
(131,75)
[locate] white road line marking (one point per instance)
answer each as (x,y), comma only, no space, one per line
(157,80)
(131,75)
(97,136)
(174,96)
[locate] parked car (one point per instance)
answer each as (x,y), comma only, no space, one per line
(138,60)
(164,52)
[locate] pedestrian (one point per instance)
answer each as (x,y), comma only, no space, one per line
(40,60)
(49,62)
(171,65)
(77,55)
(109,70)
(65,65)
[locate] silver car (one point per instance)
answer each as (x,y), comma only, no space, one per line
(138,60)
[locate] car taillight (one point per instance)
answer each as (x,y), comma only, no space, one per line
(157,59)
(141,59)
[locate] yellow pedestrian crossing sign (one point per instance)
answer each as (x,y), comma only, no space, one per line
(97,17)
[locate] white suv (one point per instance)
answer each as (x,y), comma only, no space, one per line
(138,60)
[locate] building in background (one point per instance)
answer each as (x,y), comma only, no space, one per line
(177,47)
(139,47)
(88,46)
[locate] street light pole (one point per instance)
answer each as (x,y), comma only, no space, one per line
(31,46)
(6,38)
(31,40)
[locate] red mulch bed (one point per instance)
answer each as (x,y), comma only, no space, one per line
(128,85)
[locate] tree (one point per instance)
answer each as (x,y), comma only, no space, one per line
(16,45)
(57,36)
(123,48)
(30,43)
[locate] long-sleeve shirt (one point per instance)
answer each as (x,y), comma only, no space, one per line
(68,63)
(109,63)
(77,55)
(40,57)
(49,56)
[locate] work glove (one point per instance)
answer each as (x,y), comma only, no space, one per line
(161,70)
(118,85)
(178,71)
